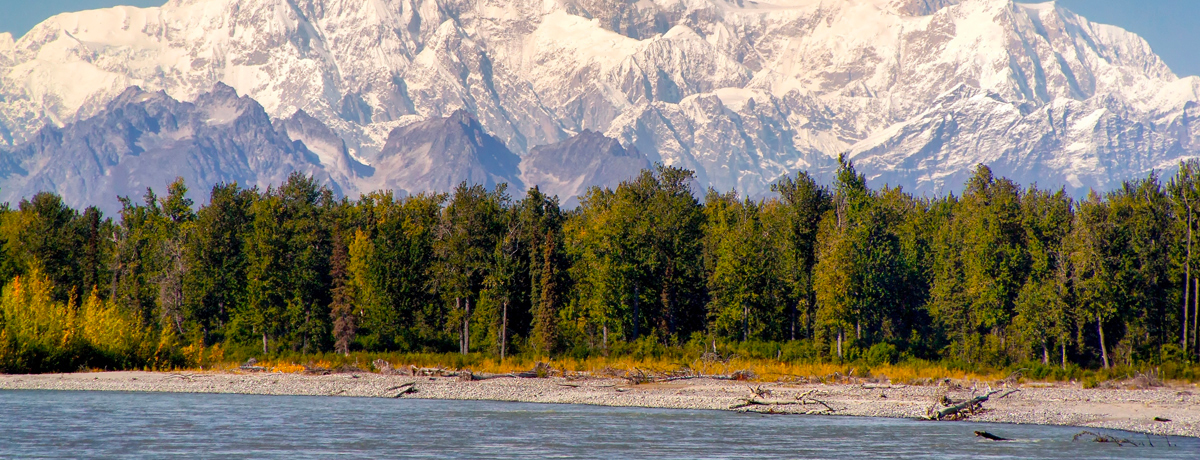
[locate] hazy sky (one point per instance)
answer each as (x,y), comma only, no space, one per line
(1171,26)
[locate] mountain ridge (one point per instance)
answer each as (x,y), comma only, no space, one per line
(146,139)
(915,91)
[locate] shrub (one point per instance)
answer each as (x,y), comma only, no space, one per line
(882,353)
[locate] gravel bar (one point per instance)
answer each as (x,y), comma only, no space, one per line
(1043,404)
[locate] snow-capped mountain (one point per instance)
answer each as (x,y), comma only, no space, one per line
(916,91)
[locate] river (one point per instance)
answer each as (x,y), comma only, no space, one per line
(72,424)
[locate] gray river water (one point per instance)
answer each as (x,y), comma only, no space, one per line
(68,424)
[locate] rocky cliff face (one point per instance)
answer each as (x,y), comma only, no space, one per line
(916,91)
(568,168)
(438,154)
(144,139)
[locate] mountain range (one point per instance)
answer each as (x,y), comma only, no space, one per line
(417,95)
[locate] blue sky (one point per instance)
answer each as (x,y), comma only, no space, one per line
(1171,26)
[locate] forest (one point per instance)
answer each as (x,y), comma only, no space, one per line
(999,275)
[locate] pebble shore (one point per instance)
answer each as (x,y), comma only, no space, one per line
(1132,410)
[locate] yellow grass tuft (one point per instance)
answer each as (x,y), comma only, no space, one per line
(762,370)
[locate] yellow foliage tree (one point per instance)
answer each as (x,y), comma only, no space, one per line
(38,333)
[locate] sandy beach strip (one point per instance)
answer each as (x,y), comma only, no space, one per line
(1133,410)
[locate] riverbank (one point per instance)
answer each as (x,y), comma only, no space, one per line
(1045,404)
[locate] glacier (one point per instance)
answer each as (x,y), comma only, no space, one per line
(915,92)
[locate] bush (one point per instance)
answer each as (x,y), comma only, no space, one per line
(800,351)
(38,334)
(1090,382)
(882,353)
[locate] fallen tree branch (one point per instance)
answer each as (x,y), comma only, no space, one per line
(681,377)
(805,399)
(404,388)
(428,372)
(1097,437)
(964,409)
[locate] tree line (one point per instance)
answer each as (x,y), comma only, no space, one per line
(997,275)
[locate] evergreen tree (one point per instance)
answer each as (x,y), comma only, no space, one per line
(1043,312)
(545,319)
(288,250)
(603,246)
(46,242)
(741,281)
(1184,192)
(341,308)
(215,284)
(805,204)
(470,227)
(178,222)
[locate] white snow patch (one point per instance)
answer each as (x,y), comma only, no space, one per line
(582,39)
(735,98)
(7,45)
(223,114)
(1089,122)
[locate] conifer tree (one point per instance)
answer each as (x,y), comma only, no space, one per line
(341,308)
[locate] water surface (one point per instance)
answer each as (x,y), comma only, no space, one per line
(71,424)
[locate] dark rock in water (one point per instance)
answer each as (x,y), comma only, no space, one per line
(440,153)
(986,435)
(143,139)
(568,168)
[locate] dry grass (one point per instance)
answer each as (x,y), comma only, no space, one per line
(762,370)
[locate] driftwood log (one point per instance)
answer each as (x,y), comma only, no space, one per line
(403,389)
(805,399)
(1097,437)
(962,410)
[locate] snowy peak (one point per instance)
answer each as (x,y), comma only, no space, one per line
(7,48)
(743,92)
(920,7)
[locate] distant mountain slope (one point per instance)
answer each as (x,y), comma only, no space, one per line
(145,139)
(916,91)
(438,154)
(568,168)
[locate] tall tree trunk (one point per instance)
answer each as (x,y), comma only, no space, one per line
(792,325)
(503,330)
(1064,354)
(1045,353)
(462,349)
(1103,348)
(467,327)
(839,342)
(1187,281)
(745,322)
(810,321)
(1195,311)
(636,316)
(264,337)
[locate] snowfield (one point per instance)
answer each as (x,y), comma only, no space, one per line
(917,92)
